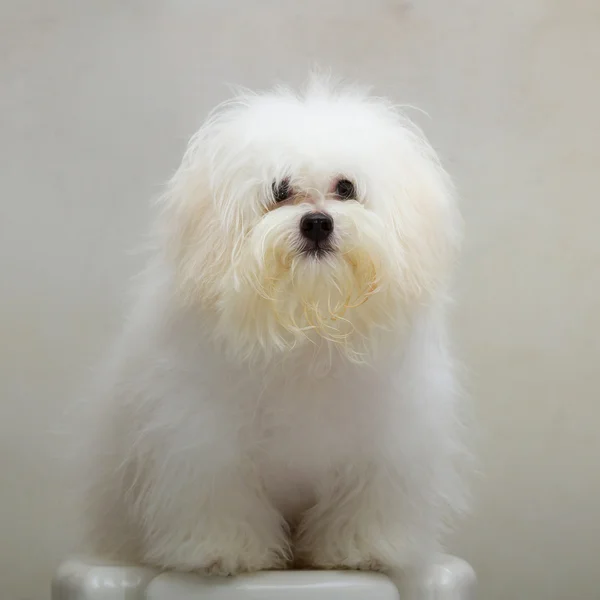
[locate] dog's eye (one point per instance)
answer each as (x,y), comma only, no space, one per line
(282,190)
(345,190)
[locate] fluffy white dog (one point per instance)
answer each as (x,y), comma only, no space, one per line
(283,394)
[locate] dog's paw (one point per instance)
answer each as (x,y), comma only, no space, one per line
(347,547)
(333,558)
(226,551)
(322,561)
(225,566)
(224,562)
(240,538)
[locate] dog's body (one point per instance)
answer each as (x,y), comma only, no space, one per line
(283,394)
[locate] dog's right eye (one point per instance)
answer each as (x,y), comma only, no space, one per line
(282,190)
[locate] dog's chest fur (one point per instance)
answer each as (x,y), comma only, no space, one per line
(306,426)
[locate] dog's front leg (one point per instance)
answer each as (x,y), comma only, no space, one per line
(369,517)
(213,520)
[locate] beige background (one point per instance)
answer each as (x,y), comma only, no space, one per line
(97,99)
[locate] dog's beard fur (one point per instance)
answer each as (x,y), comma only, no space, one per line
(278,297)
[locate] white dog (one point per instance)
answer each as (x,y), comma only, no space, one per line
(283,394)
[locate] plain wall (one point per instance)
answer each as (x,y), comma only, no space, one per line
(97,99)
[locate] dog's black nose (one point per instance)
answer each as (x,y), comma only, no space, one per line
(316,226)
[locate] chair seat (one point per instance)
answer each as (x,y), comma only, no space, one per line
(449,579)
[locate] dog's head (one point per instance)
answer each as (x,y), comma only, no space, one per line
(298,218)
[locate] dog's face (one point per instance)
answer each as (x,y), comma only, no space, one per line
(296,219)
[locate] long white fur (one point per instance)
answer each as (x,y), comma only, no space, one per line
(264,408)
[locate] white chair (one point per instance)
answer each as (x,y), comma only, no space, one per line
(450,578)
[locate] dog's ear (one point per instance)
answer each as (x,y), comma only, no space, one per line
(198,243)
(423,212)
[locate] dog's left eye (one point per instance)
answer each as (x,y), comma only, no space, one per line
(282,190)
(345,189)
